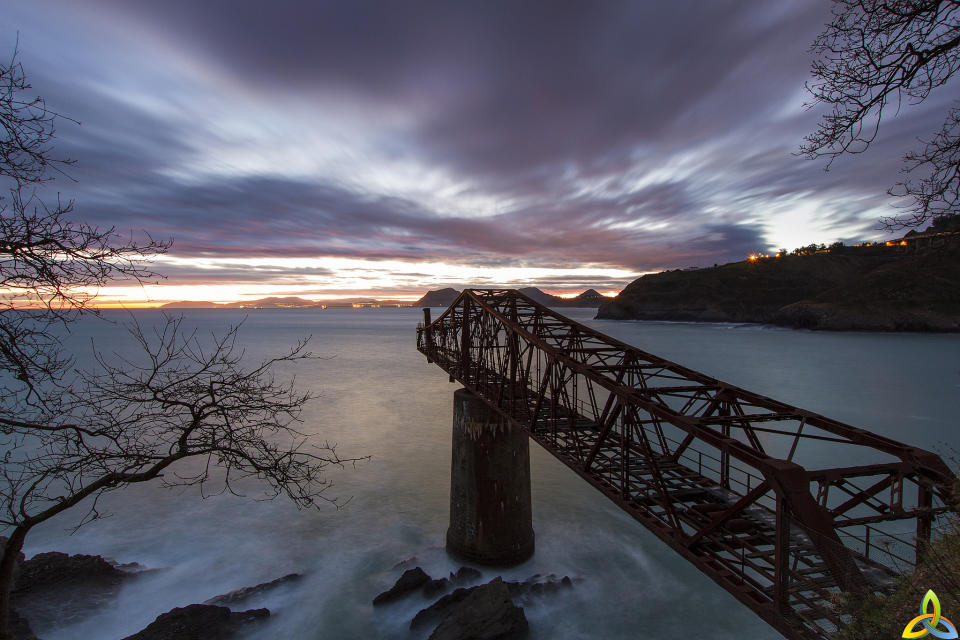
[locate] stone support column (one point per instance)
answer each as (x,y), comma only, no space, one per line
(490,515)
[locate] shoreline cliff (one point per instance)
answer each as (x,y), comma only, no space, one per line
(837,291)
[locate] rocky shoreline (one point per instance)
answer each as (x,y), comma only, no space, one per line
(54,590)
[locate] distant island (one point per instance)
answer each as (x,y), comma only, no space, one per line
(446,297)
(290,302)
(909,284)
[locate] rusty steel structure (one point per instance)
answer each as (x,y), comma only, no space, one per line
(750,490)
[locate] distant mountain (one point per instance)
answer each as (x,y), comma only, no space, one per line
(541,296)
(438,298)
(589,298)
(191,304)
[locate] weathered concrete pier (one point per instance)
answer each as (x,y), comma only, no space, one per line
(490,514)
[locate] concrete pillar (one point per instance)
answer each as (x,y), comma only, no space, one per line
(490,517)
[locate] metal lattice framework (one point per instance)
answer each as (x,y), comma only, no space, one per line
(713,470)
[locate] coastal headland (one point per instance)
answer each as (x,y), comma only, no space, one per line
(881,288)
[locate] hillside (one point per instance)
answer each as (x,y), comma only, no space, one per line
(438,298)
(836,291)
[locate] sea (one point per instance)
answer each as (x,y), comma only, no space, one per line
(378,397)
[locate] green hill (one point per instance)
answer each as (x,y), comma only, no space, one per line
(888,291)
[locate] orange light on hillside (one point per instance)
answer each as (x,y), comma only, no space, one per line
(752,257)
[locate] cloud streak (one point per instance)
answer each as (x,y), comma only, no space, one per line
(617,137)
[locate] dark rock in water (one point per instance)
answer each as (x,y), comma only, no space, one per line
(19,627)
(128,567)
(435,586)
(58,569)
(410,580)
(441,608)
(199,622)
(537,586)
(239,595)
(465,575)
(55,589)
(487,613)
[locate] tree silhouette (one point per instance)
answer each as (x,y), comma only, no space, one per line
(67,436)
(872,57)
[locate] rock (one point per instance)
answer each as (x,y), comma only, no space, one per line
(434,587)
(487,613)
(410,580)
(55,589)
(19,627)
(128,567)
(199,622)
(465,575)
(240,595)
(537,586)
(441,608)
(55,569)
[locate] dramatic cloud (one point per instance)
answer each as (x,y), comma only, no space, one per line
(351,147)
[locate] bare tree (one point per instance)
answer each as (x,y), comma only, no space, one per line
(49,263)
(133,420)
(186,410)
(873,56)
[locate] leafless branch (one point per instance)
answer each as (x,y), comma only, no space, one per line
(874,56)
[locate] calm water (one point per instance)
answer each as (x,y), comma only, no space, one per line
(381,398)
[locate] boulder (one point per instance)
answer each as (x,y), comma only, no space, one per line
(441,608)
(465,575)
(537,585)
(434,587)
(199,622)
(534,586)
(19,627)
(410,580)
(487,613)
(239,595)
(55,589)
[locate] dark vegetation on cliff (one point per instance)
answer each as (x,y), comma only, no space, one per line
(839,290)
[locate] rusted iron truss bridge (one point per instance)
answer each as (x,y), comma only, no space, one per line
(711,469)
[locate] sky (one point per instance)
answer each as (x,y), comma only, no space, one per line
(381,149)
